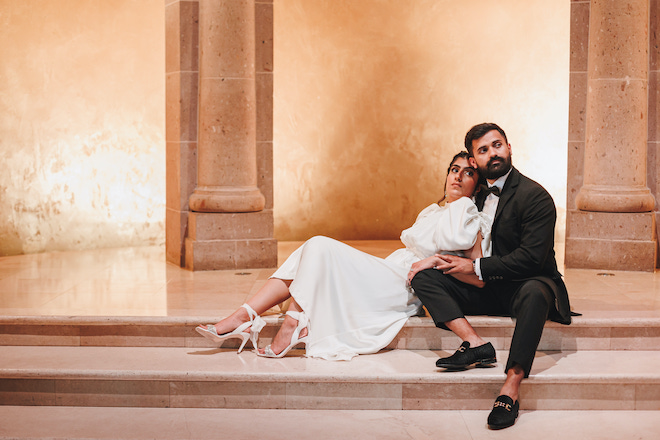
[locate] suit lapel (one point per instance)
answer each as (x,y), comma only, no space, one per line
(508,192)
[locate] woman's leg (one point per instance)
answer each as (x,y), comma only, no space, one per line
(272,293)
(283,337)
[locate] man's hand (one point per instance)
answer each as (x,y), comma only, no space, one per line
(460,268)
(453,265)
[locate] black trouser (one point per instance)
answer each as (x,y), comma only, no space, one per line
(528,302)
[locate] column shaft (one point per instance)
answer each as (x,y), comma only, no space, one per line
(227,164)
(608,223)
(617,109)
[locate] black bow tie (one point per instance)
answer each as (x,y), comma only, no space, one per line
(492,190)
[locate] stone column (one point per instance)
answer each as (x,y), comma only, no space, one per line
(229,227)
(613,227)
(181,68)
(227,164)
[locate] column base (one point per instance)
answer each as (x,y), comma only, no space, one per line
(227,199)
(231,254)
(620,199)
(611,241)
(221,241)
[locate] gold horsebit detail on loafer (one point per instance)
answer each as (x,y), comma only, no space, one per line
(504,405)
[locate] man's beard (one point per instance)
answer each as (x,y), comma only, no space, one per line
(496,170)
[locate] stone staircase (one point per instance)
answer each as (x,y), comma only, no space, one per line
(594,364)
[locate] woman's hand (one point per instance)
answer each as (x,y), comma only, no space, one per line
(426,263)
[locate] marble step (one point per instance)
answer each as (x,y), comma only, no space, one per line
(178,377)
(241,424)
(586,333)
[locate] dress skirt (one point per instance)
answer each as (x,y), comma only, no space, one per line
(356,303)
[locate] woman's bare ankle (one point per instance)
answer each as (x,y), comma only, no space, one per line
(232,322)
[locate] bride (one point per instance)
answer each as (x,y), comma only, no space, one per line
(345,302)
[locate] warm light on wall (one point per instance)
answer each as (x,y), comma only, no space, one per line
(373,98)
(82,127)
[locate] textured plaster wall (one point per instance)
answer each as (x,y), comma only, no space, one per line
(82,150)
(373,98)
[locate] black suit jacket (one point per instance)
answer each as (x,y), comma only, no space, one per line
(523,237)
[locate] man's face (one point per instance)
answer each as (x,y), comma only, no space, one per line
(492,155)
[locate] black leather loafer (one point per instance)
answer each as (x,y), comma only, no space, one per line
(465,356)
(504,413)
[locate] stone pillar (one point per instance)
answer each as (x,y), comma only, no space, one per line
(181,49)
(613,227)
(229,227)
(227,164)
(653,167)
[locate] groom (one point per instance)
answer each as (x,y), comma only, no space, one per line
(521,277)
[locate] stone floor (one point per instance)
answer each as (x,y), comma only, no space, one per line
(186,423)
(103,283)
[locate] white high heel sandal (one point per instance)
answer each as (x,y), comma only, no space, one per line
(302,323)
(256,323)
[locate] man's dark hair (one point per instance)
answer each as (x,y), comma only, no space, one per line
(480,130)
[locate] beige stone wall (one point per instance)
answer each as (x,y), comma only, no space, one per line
(82,91)
(373,98)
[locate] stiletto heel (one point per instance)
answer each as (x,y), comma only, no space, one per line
(256,323)
(302,323)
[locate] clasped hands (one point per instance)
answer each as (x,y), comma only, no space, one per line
(448,264)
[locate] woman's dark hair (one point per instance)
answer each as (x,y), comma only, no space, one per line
(462,155)
(479,131)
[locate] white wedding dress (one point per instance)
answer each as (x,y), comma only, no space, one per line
(356,302)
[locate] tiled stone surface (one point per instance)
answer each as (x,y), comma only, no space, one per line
(449,396)
(579,36)
(265,169)
(611,225)
(228,395)
(339,395)
(121,392)
(187,423)
(231,226)
(417,334)
(632,255)
(264,36)
(400,379)
(27,392)
(230,254)
(176,223)
(181,36)
(621,313)
(635,338)
(133,336)
(647,397)
(575,396)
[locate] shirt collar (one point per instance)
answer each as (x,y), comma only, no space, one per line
(500,181)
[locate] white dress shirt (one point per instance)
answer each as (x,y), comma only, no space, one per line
(490,208)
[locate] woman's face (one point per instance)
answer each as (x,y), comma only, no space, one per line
(461,180)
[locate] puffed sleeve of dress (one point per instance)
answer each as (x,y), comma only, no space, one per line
(452,227)
(460,225)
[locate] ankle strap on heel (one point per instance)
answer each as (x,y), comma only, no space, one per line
(302,319)
(251,313)
(256,321)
